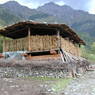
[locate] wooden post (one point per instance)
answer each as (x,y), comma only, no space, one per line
(59,39)
(4,45)
(29,42)
(79,49)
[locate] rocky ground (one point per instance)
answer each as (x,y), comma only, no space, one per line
(84,85)
(24,87)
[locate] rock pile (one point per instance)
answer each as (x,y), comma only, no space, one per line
(42,68)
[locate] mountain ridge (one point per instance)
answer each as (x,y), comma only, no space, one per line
(79,20)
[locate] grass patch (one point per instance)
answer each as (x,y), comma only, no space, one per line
(43,78)
(56,84)
(88,54)
(61,84)
(91,57)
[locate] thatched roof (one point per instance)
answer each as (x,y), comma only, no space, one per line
(20,30)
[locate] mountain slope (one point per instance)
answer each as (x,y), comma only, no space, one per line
(66,13)
(6,17)
(18,10)
(79,20)
(24,12)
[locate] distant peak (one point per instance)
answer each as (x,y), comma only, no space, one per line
(52,4)
(12,3)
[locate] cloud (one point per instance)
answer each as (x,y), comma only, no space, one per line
(37,3)
(3,1)
(60,3)
(77,4)
(92,7)
(29,3)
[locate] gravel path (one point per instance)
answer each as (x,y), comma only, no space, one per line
(10,86)
(84,85)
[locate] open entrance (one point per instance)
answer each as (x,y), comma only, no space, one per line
(42,53)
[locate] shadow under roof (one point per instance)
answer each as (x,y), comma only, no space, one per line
(20,30)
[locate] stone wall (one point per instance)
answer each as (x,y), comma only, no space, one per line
(45,68)
(11,72)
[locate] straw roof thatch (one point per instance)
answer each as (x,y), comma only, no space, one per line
(20,30)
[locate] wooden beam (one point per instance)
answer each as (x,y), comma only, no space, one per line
(4,44)
(29,42)
(59,39)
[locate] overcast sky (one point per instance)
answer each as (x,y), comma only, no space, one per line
(88,5)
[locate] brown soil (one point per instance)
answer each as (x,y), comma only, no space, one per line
(23,87)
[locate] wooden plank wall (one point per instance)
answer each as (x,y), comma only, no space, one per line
(40,43)
(70,47)
(16,45)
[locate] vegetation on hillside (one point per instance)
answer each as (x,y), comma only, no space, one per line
(6,17)
(89,53)
(38,16)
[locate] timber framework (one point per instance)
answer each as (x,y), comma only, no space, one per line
(40,37)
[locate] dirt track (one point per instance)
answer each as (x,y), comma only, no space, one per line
(84,85)
(21,87)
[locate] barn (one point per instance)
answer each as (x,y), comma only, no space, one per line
(41,38)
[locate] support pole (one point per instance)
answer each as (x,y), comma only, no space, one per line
(4,45)
(59,39)
(29,42)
